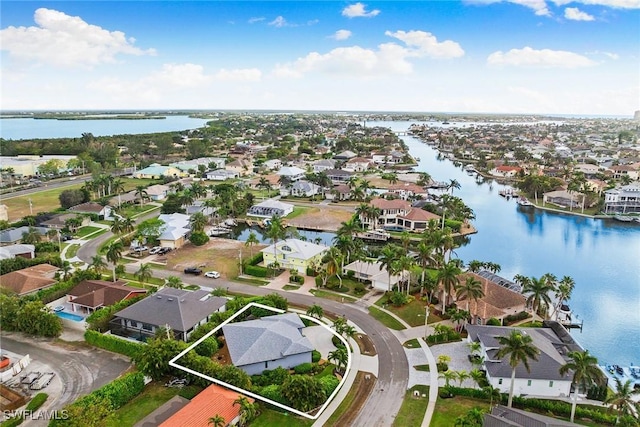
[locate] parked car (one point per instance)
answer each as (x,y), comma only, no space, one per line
(163,251)
(155,250)
(212,274)
(140,249)
(193,270)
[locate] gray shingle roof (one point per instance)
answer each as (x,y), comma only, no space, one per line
(11,235)
(553,352)
(178,308)
(264,339)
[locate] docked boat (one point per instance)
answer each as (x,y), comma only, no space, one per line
(623,218)
(219,231)
(524,202)
(624,373)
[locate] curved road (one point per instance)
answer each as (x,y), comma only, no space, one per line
(384,402)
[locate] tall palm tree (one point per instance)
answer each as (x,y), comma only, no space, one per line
(265,185)
(144,273)
(97,264)
(388,260)
(174,282)
(448,280)
(217,421)
(114,254)
(118,186)
(252,239)
(141,193)
(563,292)
(116,225)
(453,184)
(404,265)
(585,373)
(127,225)
(623,398)
(275,231)
(537,292)
(198,220)
(472,289)
(520,349)
(333,259)
(248,410)
(315,311)
(424,258)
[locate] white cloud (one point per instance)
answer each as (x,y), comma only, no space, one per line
(279,22)
(620,4)
(256,19)
(575,14)
(427,44)
(341,35)
(609,55)
(538,6)
(66,41)
(543,58)
(180,75)
(358,10)
(246,75)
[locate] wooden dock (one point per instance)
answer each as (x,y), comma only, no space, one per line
(374,235)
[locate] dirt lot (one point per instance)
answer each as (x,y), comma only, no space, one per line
(221,255)
(326,218)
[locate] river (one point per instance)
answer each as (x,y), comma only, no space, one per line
(25,128)
(602,256)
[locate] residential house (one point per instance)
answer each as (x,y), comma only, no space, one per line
(29,164)
(498,301)
(563,198)
(416,220)
(93,208)
(389,210)
(187,166)
(374,273)
(269,208)
(291,173)
(358,164)
(20,250)
(213,400)
(12,236)
(267,343)
(345,155)
(620,171)
(58,222)
(90,295)
(125,198)
(505,171)
(29,280)
(158,192)
(294,254)
(273,164)
(174,233)
(408,190)
(338,176)
(180,310)
(589,170)
(323,165)
(502,416)
(624,199)
(300,188)
(242,166)
(543,379)
(157,171)
(221,175)
(339,192)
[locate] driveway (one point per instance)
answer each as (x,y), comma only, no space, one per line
(79,370)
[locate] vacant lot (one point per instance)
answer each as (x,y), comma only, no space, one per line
(42,201)
(325,218)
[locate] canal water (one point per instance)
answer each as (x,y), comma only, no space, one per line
(602,256)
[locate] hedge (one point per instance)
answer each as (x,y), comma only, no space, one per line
(54,292)
(112,343)
(37,401)
(18,263)
(303,368)
(256,259)
(99,319)
(255,270)
(315,355)
(512,318)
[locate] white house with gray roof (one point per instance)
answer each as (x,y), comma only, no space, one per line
(267,343)
(554,344)
(181,310)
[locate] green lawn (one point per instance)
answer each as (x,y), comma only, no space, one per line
(413,343)
(447,410)
(271,418)
(290,287)
(422,368)
(85,231)
(135,210)
(385,319)
(153,281)
(332,296)
(412,313)
(149,400)
(299,210)
(413,408)
(348,286)
(249,281)
(72,251)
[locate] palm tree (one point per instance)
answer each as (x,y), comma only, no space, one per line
(144,273)
(198,220)
(340,357)
(424,258)
(275,231)
(97,264)
(173,282)
(118,186)
(404,265)
(333,259)
(453,184)
(461,376)
(448,376)
(31,236)
(537,292)
(563,292)
(127,224)
(388,260)
(141,193)
(585,373)
(623,398)
(447,278)
(478,376)
(217,421)
(248,410)
(114,254)
(520,349)
(116,225)
(252,239)
(66,269)
(472,289)
(315,311)
(264,184)
(474,265)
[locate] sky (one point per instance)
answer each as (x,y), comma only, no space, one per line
(481,56)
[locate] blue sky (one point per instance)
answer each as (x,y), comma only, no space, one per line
(493,56)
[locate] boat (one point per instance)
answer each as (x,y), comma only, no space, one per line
(524,202)
(446,122)
(624,373)
(622,218)
(219,230)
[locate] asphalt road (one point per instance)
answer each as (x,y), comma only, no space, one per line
(393,372)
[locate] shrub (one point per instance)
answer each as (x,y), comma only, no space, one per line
(494,322)
(255,270)
(112,343)
(398,299)
(303,368)
(315,356)
(47,247)
(311,272)
(513,318)
(329,383)
(208,347)
(198,238)
(37,401)
(274,392)
(359,288)
(99,319)
(256,259)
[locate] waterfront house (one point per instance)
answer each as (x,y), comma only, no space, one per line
(625,199)
(29,280)
(620,171)
(358,164)
(373,273)
(291,173)
(339,192)
(90,295)
(294,254)
(177,227)
(213,400)
(338,176)
(269,208)
(407,190)
(563,198)
(301,188)
(416,220)
(543,379)
(505,171)
(180,310)
(267,343)
(157,171)
(389,211)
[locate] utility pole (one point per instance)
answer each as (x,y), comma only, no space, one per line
(30,206)
(240,257)
(426,322)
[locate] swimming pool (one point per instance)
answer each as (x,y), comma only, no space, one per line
(70,316)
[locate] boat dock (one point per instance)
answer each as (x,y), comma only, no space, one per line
(376,235)
(508,193)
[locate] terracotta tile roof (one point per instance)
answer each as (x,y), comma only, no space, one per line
(416,214)
(100,293)
(497,299)
(408,186)
(29,279)
(390,204)
(359,160)
(213,400)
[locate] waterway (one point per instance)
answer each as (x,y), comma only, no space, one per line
(602,256)
(25,128)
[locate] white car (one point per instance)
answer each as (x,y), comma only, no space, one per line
(155,250)
(212,274)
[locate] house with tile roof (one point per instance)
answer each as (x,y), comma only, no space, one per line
(398,215)
(181,310)
(242,166)
(267,343)
(416,220)
(90,295)
(407,190)
(543,379)
(373,273)
(29,280)
(498,301)
(358,164)
(294,254)
(505,171)
(213,400)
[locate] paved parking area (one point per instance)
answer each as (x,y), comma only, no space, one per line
(458,352)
